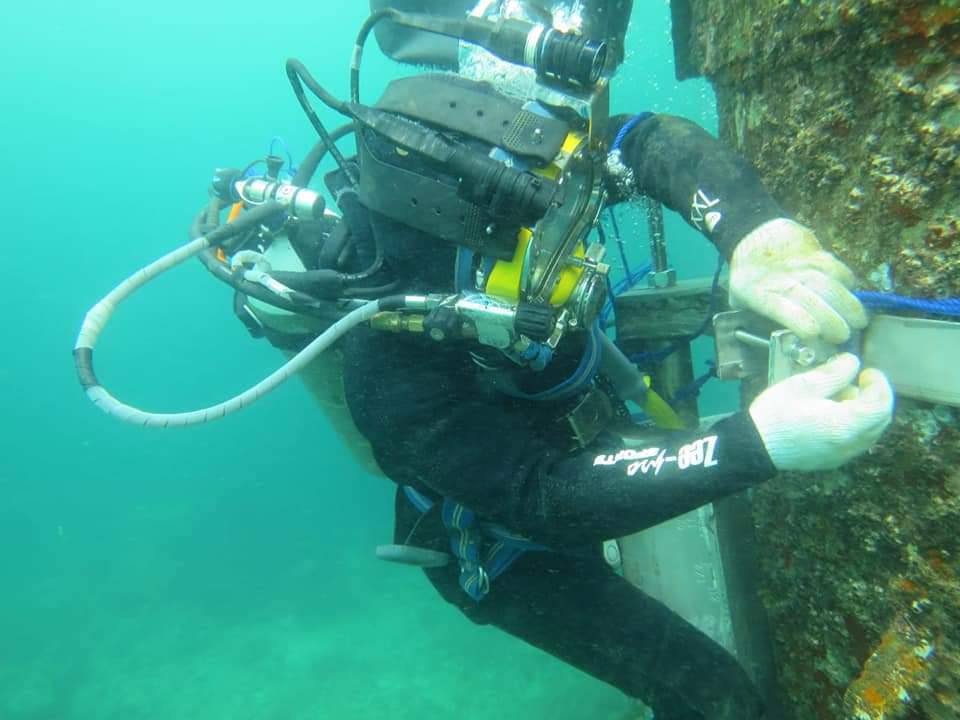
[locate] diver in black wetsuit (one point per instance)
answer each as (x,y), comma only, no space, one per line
(444,428)
(467,214)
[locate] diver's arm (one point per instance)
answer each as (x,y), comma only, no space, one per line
(778,268)
(508,475)
(431,425)
(680,164)
(608,491)
(508,460)
(815,420)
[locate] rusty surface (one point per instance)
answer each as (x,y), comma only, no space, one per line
(850,109)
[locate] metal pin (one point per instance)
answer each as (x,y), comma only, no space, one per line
(750,339)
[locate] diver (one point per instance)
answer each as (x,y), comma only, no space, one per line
(466,435)
(457,296)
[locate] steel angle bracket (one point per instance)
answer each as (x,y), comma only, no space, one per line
(920,357)
(737,360)
(749,346)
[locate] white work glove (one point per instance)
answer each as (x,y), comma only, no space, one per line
(818,420)
(780,271)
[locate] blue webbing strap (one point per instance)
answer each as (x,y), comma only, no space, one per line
(467,539)
(465,544)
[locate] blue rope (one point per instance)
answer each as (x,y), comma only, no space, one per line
(611,297)
(621,287)
(631,277)
(627,127)
(692,389)
(948,307)
(619,238)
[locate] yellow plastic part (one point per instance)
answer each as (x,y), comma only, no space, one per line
(658,410)
(504,280)
(571,142)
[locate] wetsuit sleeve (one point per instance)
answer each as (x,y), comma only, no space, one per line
(432,427)
(621,491)
(680,164)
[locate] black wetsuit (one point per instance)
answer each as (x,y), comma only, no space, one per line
(436,425)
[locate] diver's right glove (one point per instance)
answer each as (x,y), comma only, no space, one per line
(820,419)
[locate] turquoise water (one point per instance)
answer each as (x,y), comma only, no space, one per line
(224,571)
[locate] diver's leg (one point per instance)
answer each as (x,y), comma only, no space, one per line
(580,611)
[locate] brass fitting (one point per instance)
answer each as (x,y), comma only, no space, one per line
(397,322)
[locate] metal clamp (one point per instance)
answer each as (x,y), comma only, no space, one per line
(747,346)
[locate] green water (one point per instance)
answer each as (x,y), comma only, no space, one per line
(224,571)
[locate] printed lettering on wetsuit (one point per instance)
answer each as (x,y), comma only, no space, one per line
(699,453)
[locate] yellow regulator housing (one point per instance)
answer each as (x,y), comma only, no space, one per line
(553,262)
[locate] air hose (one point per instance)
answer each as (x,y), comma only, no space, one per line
(99,315)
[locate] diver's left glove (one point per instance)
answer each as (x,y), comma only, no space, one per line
(821,418)
(779,270)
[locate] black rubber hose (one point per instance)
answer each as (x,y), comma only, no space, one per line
(372,270)
(207,220)
(199,225)
(358,220)
(305,304)
(414,21)
(299,76)
(302,178)
(371,292)
(245,221)
(393,302)
(334,247)
(311,162)
(361,40)
(328,311)
(219,234)
(320,284)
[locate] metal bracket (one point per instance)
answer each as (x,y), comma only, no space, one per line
(917,355)
(747,346)
(790,355)
(737,360)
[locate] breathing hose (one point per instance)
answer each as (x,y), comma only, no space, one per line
(99,315)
